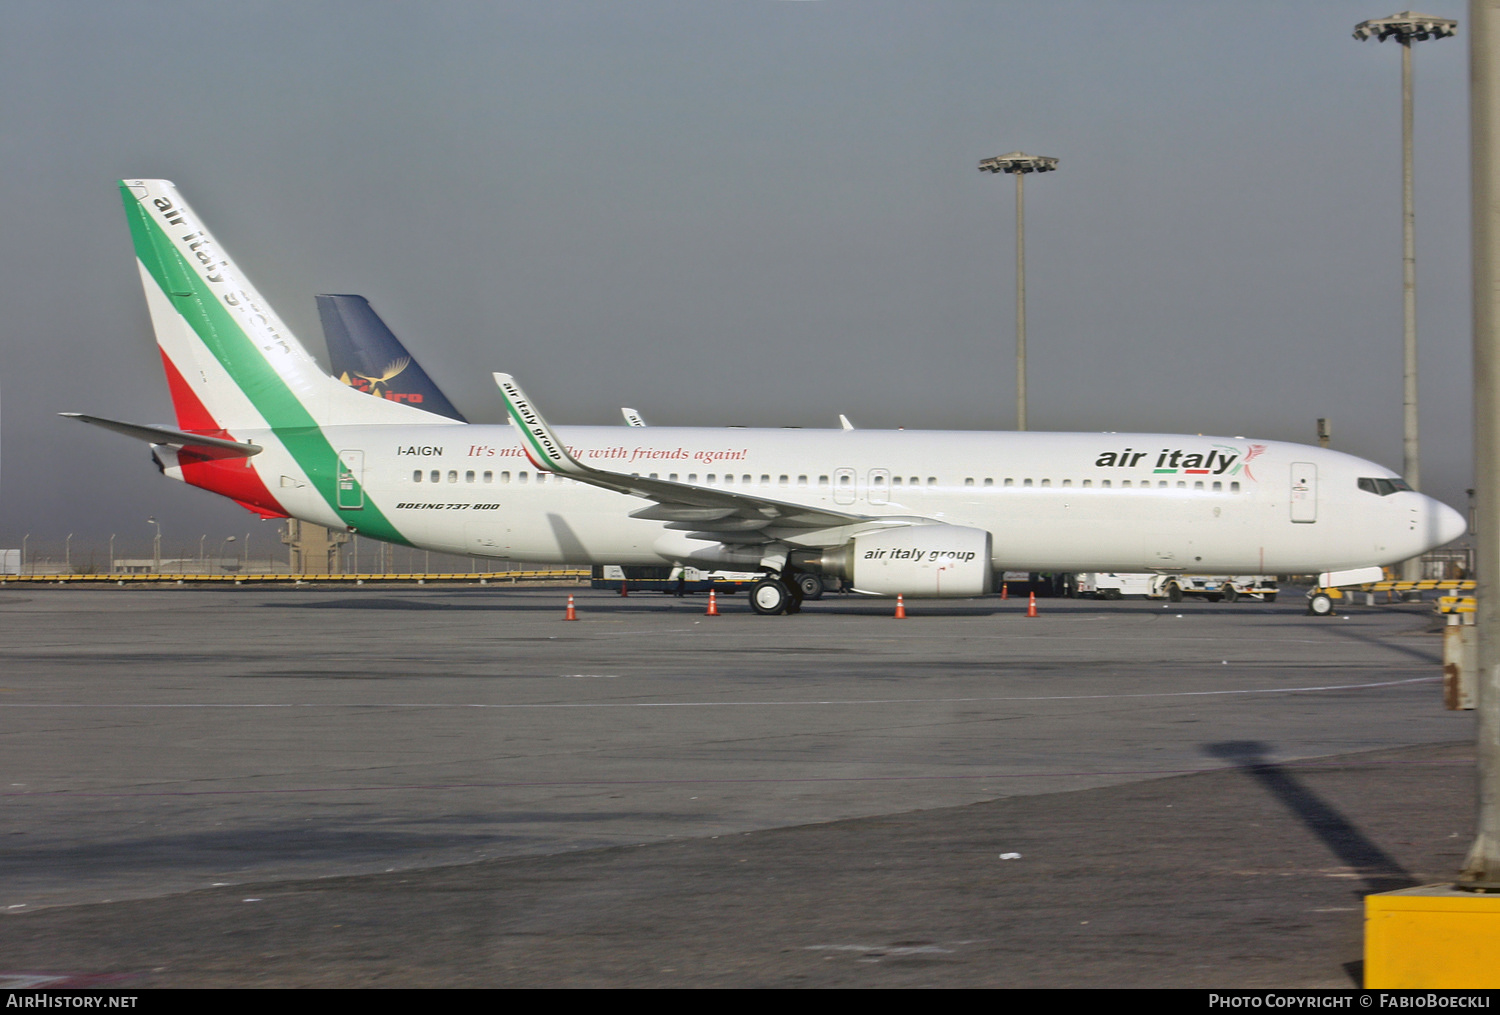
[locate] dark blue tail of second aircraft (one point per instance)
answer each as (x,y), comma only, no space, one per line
(365,354)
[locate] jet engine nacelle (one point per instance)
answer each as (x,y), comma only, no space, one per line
(949,561)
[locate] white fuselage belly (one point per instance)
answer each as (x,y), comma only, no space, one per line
(1045,498)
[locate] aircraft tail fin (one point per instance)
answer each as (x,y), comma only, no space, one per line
(366,355)
(230,360)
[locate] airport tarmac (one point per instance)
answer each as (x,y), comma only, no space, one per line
(437,785)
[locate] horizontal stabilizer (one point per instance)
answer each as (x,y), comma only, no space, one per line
(173,438)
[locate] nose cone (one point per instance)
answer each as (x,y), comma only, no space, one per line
(1444,524)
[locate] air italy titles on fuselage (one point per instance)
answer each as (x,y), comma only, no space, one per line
(1219,460)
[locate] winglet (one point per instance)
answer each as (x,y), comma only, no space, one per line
(541,445)
(632,418)
(844,422)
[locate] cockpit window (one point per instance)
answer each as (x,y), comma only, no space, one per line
(1383,487)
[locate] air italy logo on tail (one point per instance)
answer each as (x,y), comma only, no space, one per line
(1220,460)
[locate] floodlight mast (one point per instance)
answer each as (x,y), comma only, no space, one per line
(1481,870)
(1018,164)
(1407,28)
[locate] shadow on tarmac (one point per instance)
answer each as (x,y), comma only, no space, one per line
(1381,872)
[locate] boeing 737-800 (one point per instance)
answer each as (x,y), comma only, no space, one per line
(892,512)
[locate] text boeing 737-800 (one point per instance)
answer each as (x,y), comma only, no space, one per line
(910,512)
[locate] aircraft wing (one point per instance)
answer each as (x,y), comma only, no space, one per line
(172,438)
(704,512)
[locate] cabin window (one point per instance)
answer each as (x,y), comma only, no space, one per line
(745,480)
(1046,482)
(932,481)
(1234,488)
(1124,483)
(1162,484)
(520,477)
(671,477)
(453,475)
(416,477)
(728,479)
(766,480)
(784,481)
(1009,481)
(1104,483)
(1198,485)
(1067,482)
(801,480)
(489,477)
(541,477)
(822,481)
(469,476)
(1025,482)
(435,476)
(692,477)
(1181,484)
(895,480)
(988,481)
(653,475)
(968,481)
(505,477)
(1088,483)
(710,478)
(1218,487)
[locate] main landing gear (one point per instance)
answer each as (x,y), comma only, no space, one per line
(771,596)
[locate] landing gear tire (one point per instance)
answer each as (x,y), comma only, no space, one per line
(1320,605)
(1231,593)
(1174,592)
(1214,597)
(770,597)
(810,585)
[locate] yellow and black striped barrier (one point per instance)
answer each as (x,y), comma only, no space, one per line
(1457,604)
(285,579)
(1425,585)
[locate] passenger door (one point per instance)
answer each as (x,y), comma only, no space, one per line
(1304,497)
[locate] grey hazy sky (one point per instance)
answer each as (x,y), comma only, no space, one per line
(748,211)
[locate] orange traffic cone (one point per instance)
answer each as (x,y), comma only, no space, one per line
(624,591)
(713,605)
(1031,606)
(1005,590)
(572,614)
(900,607)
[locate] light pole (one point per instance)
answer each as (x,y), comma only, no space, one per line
(1407,28)
(155,545)
(1018,165)
(111,553)
(68,554)
(23,551)
(1481,870)
(226,542)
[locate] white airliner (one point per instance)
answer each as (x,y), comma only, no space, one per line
(910,512)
